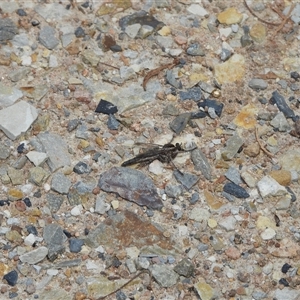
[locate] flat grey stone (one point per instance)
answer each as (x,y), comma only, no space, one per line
(60,183)
(228,223)
(38,92)
(186,179)
(201,163)
(9,95)
(34,256)
(280,122)
(36,157)
(164,275)
(53,11)
(47,37)
(258,84)
(54,201)
(233,145)
(38,175)
(18,74)
(8,29)
(16,176)
(56,149)
(287,294)
(17,119)
(233,175)
(4,151)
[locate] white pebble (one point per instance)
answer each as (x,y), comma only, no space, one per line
(76,211)
(30,240)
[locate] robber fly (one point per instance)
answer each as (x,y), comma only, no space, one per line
(164,154)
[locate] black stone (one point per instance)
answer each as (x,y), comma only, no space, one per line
(37,194)
(3,202)
(235,190)
(106,107)
(27,202)
(116,48)
(198,114)
(112,122)
(282,105)
(207,103)
(11,278)
(31,229)
(35,23)
(79,32)
(21,148)
(86,231)
(284,282)
(21,12)
(85,4)
(81,168)
(193,93)
(295,75)
(75,245)
(285,268)
(67,233)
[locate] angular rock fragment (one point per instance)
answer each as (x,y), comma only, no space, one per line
(8,29)
(186,179)
(106,107)
(132,185)
(179,123)
(207,103)
(165,276)
(34,256)
(201,163)
(235,190)
(233,145)
(268,186)
(282,105)
(17,118)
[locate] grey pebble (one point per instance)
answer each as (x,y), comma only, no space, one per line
(282,105)
(8,29)
(195,197)
(225,54)
(186,179)
(81,168)
(201,163)
(54,201)
(179,123)
(170,76)
(282,83)
(195,50)
(47,37)
(60,183)
(164,276)
(280,122)
(233,145)
(112,122)
(72,124)
(75,245)
(233,175)
(235,190)
(173,191)
(34,256)
(185,268)
(193,93)
(257,84)
(82,132)
(4,151)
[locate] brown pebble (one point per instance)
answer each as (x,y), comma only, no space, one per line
(96,190)
(241,291)
(252,150)
(283,177)
(233,253)
(20,205)
(80,296)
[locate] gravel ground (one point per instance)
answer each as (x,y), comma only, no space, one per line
(204,95)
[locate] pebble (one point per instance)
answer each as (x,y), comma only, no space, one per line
(233,175)
(258,84)
(106,107)
(165,276)
(179,123)
(81,168)
(47,37)
(282,105)
(230,16)
(186,179)
(204,290)
(60,183)
(228,223)
(75,245)
(280,122)
(268,186)
(37,158)
(201,163)
(233,145)
(9,95)
(34,256)
(17,119)
(268,234)
(8,29)
(195,50)
(235,190)
(11,278)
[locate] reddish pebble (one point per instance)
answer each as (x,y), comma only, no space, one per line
(180,40)
(20,206)
(96,190)
(233,253)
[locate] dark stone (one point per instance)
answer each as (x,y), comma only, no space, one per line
(37,194)
(179,123)
(21,12)
(67,233)
(27,202)
(295,75)
(85,4)
(12,295)
(11,278)
(116,48)
(72,124)
(81,168)
(207,103)
(132,185)
(35,23)
(8,29)
(198,114)
(195,197)
(225,54)
(31,229)
(186,179)
(121,296)
(3,202)
(235,190)
(142,18)
(75,245)
(246,40)
(106,107)
(112,122)
(21,148)
(284,282)
(285,268)
(185,268)
(79,32)
(282,105)
(193,93)
(55,201)
(294,198)
(116,262)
